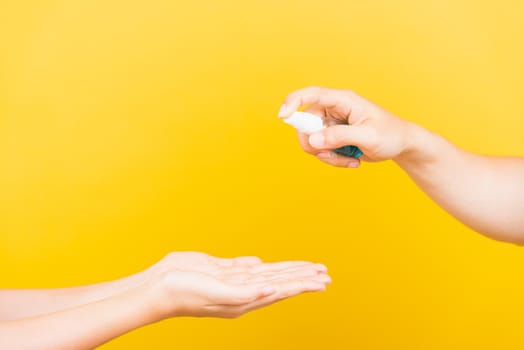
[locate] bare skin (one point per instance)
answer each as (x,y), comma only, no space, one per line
(485,193)
(181,284)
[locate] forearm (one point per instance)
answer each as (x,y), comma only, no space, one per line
(485,193)
(24,303)
(82,327)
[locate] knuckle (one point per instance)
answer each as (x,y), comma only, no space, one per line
(297,94)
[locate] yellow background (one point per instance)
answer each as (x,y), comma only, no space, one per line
(132,128)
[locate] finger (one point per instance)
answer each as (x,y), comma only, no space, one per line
(245,273)
(281,278)
(287,276)
(337,160)
(246,261)
(241,272)
(278,266)
(298,286)
(328,115)
(245,277)
(339,101)
(303,140)
(230,294)
(310,266)
(303,275)
(285,291)
(242,261)
(343,135)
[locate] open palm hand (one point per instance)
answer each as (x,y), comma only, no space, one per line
(197,284)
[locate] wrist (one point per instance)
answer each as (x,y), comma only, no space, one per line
(161,297)
(143,296)
(148,298)
(419,147)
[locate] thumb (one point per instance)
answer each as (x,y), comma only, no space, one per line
(340,135)
(242,294)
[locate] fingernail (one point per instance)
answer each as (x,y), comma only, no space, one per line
(321,267)
(282,111)
(324,155)
(353,164)
(326,279)
(317,140)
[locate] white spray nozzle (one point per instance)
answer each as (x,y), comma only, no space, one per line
(305,122)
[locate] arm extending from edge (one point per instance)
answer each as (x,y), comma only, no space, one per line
(181,284)
(485,193)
